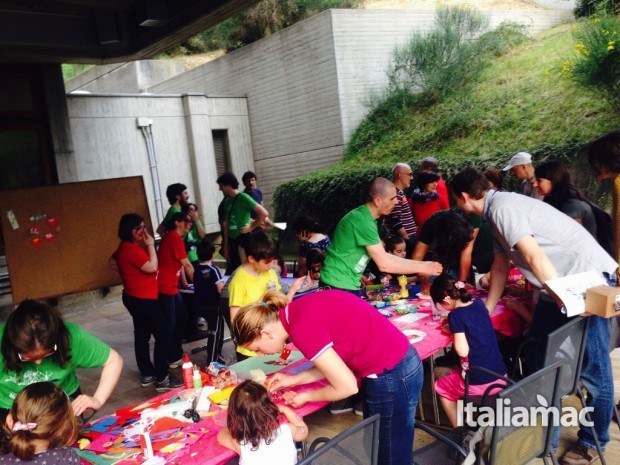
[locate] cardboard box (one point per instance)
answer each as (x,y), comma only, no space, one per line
(603,301)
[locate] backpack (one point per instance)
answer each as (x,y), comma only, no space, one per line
(604,228)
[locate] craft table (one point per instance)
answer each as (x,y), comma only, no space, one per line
(187,444)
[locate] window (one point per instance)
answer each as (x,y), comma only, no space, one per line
(220,149)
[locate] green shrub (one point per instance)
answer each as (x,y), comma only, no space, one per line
(261,20)
(502,39)
(443,60)
(586,8)
(596,59)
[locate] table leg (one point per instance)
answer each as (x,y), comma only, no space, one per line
(421,407)
(431,361)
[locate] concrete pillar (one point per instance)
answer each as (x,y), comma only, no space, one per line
(60,128)
(202,159)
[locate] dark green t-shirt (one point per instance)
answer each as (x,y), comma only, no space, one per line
(347,257)
(237,211)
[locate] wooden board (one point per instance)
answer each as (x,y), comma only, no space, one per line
(83,220)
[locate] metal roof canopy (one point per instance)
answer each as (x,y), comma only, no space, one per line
(103,31)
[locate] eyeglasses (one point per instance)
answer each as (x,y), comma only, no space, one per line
(29,358)
(139,228)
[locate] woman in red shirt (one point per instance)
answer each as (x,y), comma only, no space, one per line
(172,256)
(425,200)
(136,261)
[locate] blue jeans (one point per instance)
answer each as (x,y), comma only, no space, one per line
(596,374)
(394,396)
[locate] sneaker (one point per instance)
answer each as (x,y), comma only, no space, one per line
(358,408)
(167,384)
(580,455)
(176,364)
(341,406)
(148,380)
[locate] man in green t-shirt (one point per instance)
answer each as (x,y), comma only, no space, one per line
(356,241)
(237,222)
(178,197)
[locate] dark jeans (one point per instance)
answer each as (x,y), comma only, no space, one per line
(394,396)
(148,318)
(596,374)
(234,259)
(175,317)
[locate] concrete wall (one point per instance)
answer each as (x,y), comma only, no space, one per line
(307,86)
(566,5)
(292,94)
(108,144)
(131,77)
(364,41)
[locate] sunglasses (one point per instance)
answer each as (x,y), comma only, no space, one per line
(26,358)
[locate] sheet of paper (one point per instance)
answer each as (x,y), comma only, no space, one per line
(572,290)
(281,226)
(410,317)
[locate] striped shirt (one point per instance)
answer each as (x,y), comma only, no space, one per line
(402,217)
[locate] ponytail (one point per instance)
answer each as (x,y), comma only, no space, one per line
(250,319)
(445,285)
(45,414)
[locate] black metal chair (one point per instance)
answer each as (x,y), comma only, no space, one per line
(567,345)
(358,445)
(502,443)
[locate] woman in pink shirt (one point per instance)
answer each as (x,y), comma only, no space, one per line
(348,341)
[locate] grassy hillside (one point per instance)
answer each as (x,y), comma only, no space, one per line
(520,103)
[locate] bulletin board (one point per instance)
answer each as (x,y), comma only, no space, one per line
(58,239)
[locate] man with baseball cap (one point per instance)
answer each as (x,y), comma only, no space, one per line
(520,165)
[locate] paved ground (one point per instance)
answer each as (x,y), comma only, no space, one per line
(113,324)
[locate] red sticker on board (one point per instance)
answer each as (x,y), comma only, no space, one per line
(36,242)
(51,222)
(49,237)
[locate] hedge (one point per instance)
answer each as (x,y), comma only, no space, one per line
(329,194)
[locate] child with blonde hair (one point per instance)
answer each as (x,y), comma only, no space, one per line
(40,427)
(254,429)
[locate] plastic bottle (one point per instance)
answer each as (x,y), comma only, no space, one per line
(197,379)
(188,372)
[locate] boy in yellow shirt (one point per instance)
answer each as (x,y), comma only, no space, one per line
(253,278)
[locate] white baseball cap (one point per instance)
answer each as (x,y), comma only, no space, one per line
(521,158)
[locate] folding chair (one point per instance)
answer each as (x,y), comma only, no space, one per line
(358,445)
(504,444)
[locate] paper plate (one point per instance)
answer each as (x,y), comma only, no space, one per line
(414,335)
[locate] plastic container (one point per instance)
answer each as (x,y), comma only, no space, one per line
(188,372)
(197,379)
